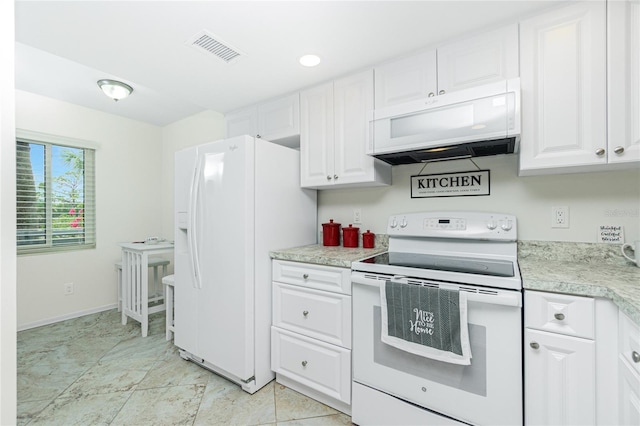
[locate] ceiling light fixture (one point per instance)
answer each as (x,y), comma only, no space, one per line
(116,90)
(309,60)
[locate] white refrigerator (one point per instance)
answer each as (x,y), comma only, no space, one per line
(235,200)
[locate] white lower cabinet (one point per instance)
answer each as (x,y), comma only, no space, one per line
(570,359)
(629,405)
(311,331)
(313,363)
(560,384)
(629,372)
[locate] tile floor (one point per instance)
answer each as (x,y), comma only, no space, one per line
(94,371)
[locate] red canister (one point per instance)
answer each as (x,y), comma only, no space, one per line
(350,236)
(368,239)
(331,233)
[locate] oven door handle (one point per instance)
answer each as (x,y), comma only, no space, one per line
(504,298)
(359,279)
(493,297)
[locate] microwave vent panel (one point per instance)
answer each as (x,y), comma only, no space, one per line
(210,44)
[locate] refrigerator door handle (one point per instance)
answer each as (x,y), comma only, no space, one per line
(192,231)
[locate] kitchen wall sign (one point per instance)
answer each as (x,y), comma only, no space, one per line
(459,184)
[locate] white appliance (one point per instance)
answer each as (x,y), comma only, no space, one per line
(235,200)
(475,253)
(476,122)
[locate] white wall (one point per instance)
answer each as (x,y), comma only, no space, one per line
(204,127)
(593,199)
(129,196)
(7,218)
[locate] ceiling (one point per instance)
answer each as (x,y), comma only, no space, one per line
(64,47)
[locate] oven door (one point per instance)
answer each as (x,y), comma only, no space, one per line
(487,392)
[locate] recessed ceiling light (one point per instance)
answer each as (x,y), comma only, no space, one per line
(309,60)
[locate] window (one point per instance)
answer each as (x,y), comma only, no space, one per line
(55,196)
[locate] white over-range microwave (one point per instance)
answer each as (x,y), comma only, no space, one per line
(480,121)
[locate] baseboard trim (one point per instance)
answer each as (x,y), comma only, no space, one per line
(27,326)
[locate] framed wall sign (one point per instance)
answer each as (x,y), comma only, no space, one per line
(459,184)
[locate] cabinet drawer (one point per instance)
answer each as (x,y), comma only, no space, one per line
(314,313)
(320,366)
(629,341)
(328,278)
(560,313)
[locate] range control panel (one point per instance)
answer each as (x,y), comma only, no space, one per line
(471,225)
(445,223)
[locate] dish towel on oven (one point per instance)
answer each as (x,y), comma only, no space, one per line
(426,321)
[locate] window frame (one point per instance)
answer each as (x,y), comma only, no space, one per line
(89,192)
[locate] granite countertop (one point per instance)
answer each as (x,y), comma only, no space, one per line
(581,269)
(327,255)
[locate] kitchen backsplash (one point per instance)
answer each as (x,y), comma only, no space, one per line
(606,254)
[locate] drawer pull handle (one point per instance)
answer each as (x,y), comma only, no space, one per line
(559,316)
(635,356)
(305,276)
(534,345)
(305,313)
(304,363)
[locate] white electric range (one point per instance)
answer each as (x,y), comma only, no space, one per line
(472,252)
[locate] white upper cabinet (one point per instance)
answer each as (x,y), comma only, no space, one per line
(623,46)
(478,60)
(241,122)
(275,120)
(469,62)
(334,128)
(580,81)
(316,136)
(406,79)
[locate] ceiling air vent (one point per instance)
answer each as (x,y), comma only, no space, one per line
(211,44)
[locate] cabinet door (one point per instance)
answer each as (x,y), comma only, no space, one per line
(241,122)
(353,107)
(279,118)
(559,379)
(406,79)
(629,406)
(316,136)
(624,80)
(563,83)
(482,59)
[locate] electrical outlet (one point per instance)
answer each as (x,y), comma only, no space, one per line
(357,216)
(68,288)
(560,217)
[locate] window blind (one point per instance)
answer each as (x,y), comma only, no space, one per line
(55,190)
